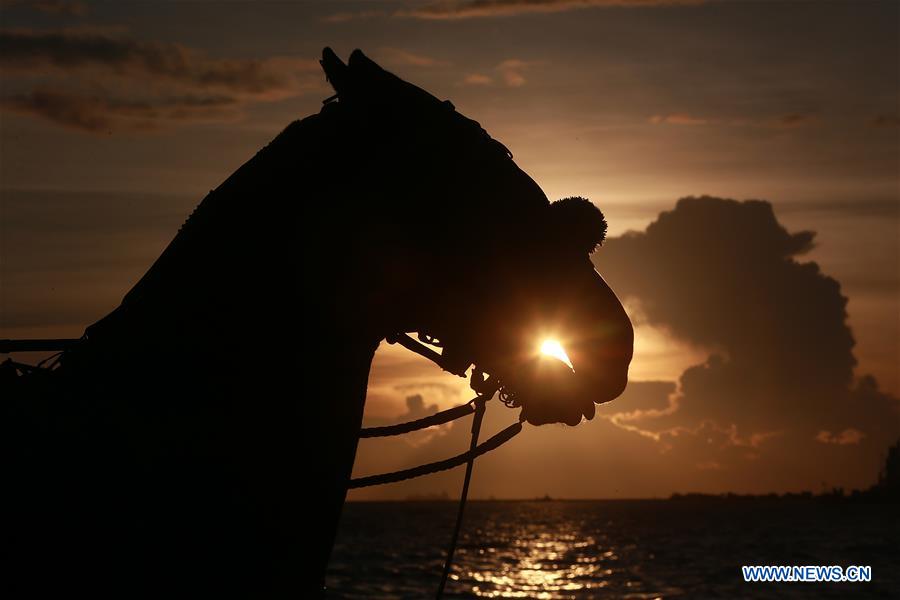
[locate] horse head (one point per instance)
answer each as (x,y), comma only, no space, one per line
(480,261)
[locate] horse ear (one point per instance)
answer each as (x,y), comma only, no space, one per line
(364,81)
(360,61)
(335,70)
(578,224)
(370,78)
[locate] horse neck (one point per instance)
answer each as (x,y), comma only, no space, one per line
(230,272)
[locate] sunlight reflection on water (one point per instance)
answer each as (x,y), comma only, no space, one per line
(540,568)
(575,550)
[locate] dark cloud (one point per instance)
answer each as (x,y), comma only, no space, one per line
(886,121)
(725,275)
(784,121)
(25,50)
(720,273)
(137,85)
(69,8)
(416,409)
(341,17)
(469,9)
(96,113)
(796,120)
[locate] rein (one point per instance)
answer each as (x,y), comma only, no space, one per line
(486,390)
(476,405)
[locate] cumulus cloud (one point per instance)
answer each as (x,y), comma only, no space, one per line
(725,275)
(103,81)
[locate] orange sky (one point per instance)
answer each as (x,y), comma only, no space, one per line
(104,152)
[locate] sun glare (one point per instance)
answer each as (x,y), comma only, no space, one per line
(555,349)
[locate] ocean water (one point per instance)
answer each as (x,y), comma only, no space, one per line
(612,549)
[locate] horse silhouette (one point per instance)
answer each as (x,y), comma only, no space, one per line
(199,439)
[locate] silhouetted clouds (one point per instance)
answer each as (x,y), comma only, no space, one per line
(796,120)
(70,8)
(886,121)
(104,81)
(124,56)
(96,113)
(724,275)
(467,9)
(784,121)
(344,16)
(416,409)
(470,9)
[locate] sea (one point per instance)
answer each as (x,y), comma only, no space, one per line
(640,549)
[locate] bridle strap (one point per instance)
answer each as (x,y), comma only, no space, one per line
(421,349)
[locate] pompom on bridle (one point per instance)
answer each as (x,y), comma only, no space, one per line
(578,223)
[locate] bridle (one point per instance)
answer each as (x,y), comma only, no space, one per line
(485,388)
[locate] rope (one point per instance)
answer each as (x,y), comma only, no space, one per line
(445,416)
(473,445)
(12,346)
(441,465)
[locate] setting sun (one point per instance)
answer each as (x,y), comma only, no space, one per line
(555,349)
